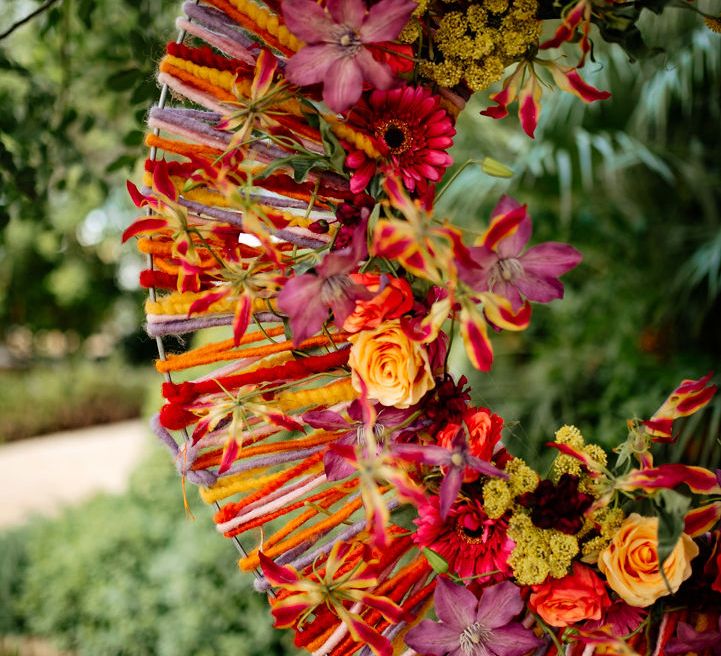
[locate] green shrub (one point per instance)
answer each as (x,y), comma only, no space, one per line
(69,394)
(133,576)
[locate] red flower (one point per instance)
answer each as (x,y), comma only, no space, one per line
(580,595)
(468,540)
(410,130)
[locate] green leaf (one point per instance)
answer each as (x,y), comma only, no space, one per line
(334,151)
(436,561)
(672,508)
(404,517)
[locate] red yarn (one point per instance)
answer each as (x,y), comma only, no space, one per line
(205,56)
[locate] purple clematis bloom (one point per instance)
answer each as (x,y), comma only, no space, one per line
(474,627)
(455,460)
(688,640)
(502,268)
(336,38)
(307,298)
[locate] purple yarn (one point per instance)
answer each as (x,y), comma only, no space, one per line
(270,460)
(189,123)
(183,462)
(181,326)
(218,22)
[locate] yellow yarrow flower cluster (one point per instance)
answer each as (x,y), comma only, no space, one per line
(475,42)
(539,552)
(521,478)
(608,521)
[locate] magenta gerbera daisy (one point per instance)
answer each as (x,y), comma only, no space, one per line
(469,541)
(410,130)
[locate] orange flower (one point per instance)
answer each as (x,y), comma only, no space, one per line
(484,432)
(393,298)
(630,562)
(580,595)
(394,368)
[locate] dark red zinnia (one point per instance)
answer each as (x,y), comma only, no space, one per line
(560,505)
(410,130)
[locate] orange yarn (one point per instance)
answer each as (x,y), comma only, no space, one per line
(194,358)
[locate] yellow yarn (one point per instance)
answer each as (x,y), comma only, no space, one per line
(222,79)
(335,392)
(359,140)
(242,482)
(269,22)
(180,302)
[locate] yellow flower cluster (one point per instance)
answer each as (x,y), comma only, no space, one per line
(476,42)
(497,498)
(539,552)
(564,464)
(608,521)
(521,478)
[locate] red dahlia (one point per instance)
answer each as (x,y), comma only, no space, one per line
(409,129)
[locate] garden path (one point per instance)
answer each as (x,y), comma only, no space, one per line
(41,475)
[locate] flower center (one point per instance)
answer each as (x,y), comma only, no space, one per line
(395,135)
(471,535)
(334,287)
(506,270)
(472,636)
(350,40)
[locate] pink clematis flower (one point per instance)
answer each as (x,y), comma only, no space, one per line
(500,265)
(472,626)
(337,37)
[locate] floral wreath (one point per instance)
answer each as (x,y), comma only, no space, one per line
(293,211)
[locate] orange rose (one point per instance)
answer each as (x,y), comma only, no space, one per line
(390,302)
(484,432)
(394,368)
(580,595)
(630,562)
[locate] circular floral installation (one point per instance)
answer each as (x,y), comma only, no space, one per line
(293,208)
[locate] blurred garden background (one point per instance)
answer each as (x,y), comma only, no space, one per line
(634,183)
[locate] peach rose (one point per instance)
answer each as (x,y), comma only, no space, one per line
(580,595)
(394,368)
(630,562)
(390,302)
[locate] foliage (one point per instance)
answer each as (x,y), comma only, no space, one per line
(70,394)
(75,85)
(132,575)
(632,185)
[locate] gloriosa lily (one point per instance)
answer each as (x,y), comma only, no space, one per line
(346,577)
(525,85)
(259,108)
(168,213)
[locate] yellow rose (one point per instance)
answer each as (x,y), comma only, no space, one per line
(630,562)
(395,369)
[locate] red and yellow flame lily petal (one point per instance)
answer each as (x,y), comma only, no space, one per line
(265,67)
(432,323)
(385,606)
(593,467)
(568,79)
(392,239)
(689,397)
(475,338)
(277,575)
(398,197)
(529,104)
(204,302)
(138,199)
(500,313)
(162,182)
(503,225)
(288,611)
(241,319)
(364,633)
(567,29)
(229,454)
(506,95)
(698,479)
(143,225)
(700,520)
